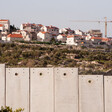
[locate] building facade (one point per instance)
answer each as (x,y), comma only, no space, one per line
(6,24)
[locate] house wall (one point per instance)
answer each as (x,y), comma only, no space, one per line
(78,32)
(4,38)
(61,38)
(53,31)
(14,39)
(70,41)
(96,40)
(44,37)
(1,28)
(48,37)
(21,27)
(40,36)
(6,25)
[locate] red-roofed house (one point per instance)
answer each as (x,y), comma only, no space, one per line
(105,40)
(6,24)
(99,39)
(62,38)
(27,36)
(31,27)
(66,31)
(1,27)
(50,29)
(96,40)
(14,37)
(79,32)
(71,40)
(43,36)
(39,26)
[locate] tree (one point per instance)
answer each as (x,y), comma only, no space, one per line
(12,28)
(53,41)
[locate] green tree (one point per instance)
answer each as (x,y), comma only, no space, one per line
(12,28)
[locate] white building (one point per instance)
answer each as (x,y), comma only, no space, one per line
(44,36)
(66,31)
(4,38)
(88,37)
(14,37)
(2,28)
(62,38)
(27,36)
(31,27)
(17,32)
(39,26)
(51,29)
(71,40)
(95,33)
(6,24)
(79,32)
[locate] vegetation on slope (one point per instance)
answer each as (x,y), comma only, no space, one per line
(89,61)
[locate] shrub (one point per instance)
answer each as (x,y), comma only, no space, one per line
(8,109)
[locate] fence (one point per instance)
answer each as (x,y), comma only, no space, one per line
(54,90)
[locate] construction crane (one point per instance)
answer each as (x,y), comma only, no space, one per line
(96,21)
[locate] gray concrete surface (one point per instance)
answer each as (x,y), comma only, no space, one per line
(41,97)
(66,89)
(91,93)
(54,90)
(108,93)
(2,85)
(17,88)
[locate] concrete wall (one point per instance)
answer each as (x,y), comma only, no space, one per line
(2,85)
(91,93)
(108,93)
(66,89)
(41,84)
(17,88)
(54,90)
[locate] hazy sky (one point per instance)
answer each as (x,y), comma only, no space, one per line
(58,12)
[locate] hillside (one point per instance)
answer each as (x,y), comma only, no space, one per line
(88,60)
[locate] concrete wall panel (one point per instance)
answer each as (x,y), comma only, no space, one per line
(108,93)
(91,93)
(2,85)
(41,84)
(66,89)
(17,88)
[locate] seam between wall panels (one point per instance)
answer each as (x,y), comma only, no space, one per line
(78,89)
(29,88)
(103,94)
(54,90)
(5,85)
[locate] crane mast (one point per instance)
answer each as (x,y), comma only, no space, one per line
(105,26)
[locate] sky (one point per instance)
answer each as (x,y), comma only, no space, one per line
(58,13)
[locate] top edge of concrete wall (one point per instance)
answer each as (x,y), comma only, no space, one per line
(44,67)
(2,65)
